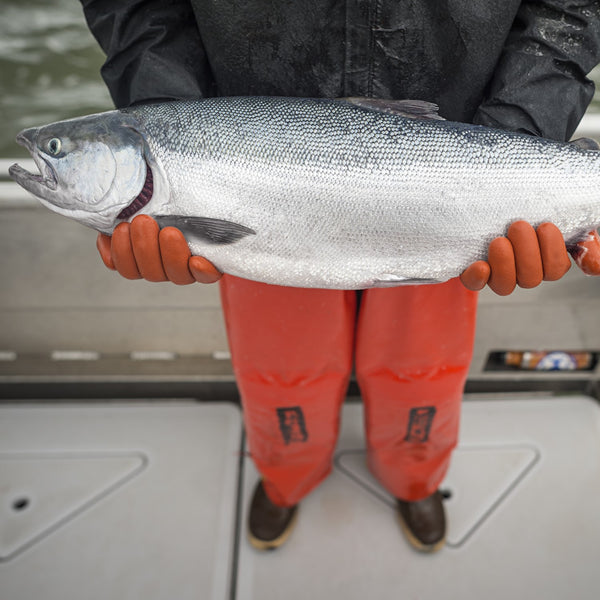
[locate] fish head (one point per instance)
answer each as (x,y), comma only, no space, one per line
(90,169)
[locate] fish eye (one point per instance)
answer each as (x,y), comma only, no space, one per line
(53,146)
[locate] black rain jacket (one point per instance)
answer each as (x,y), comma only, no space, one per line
(517,64)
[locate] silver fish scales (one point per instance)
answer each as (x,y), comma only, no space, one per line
(316,192)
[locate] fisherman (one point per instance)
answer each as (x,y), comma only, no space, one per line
(516,65)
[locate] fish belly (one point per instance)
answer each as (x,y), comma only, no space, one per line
(359,238)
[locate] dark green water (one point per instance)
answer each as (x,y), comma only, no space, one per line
(50,67)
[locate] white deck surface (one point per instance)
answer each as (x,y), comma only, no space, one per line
(139,502)
(523,518)
(124,502)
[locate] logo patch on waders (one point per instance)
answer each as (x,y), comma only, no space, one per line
(292,425)
(419,424)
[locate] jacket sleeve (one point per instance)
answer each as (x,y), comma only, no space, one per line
(540,85)
(153,50)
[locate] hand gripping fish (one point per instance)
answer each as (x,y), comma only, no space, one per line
(313,192)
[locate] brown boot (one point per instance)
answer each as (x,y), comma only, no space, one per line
(269,525)
(424,522)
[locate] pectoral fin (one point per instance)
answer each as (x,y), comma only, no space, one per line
(213,231)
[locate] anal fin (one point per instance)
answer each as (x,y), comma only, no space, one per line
(389,280)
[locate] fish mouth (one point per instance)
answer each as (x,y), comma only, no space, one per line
(36,183)
(142,198)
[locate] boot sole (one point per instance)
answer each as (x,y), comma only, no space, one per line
(416,543)
(262,545)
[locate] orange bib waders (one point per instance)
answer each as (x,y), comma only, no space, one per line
(292,351)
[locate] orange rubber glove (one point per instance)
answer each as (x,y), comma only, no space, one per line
(587,254)
(141,250)
(528,256)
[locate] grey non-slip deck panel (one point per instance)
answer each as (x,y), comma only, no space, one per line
(118,501)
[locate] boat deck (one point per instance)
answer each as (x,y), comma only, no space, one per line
(149,500)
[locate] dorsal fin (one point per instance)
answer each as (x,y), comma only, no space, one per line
(411,109)
(586,144)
